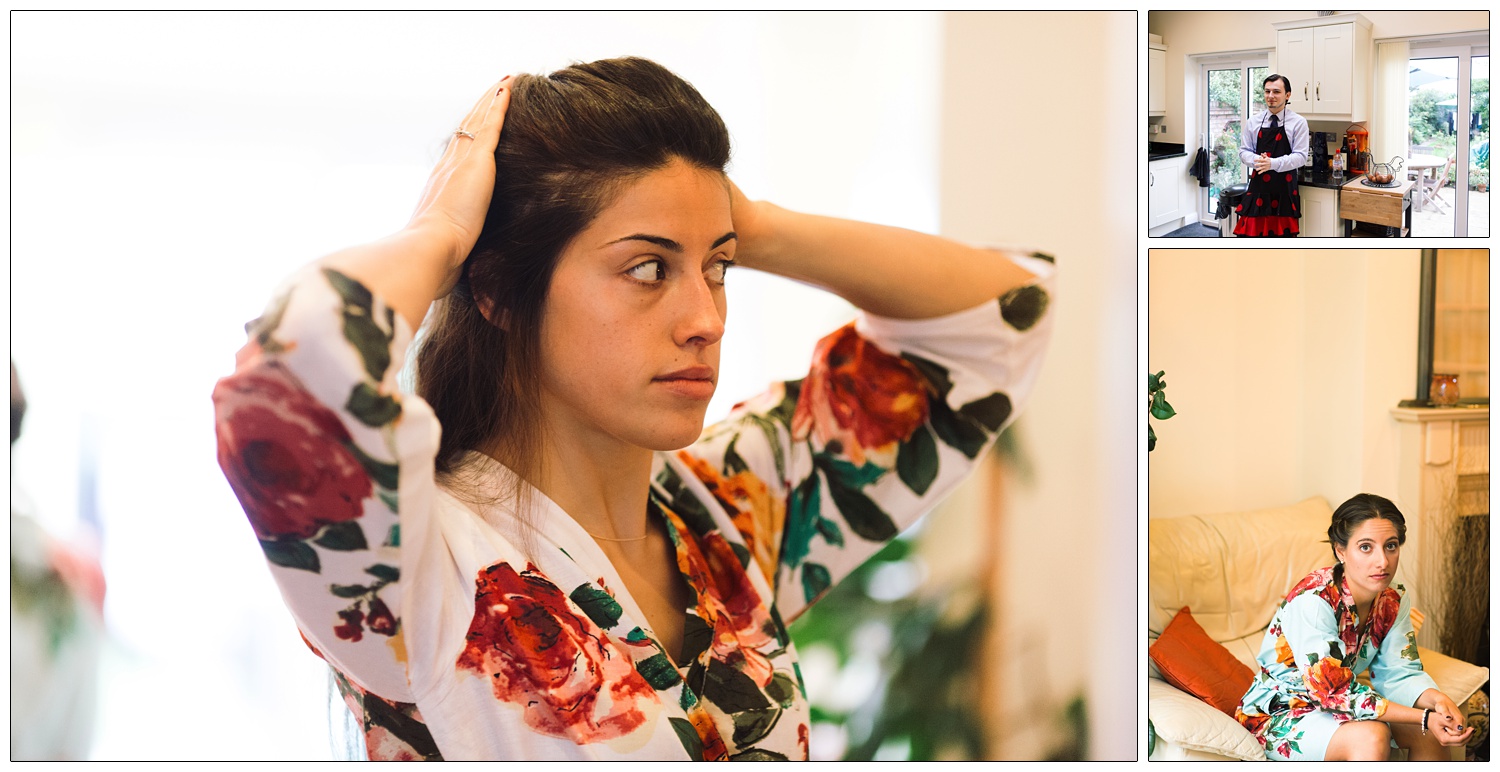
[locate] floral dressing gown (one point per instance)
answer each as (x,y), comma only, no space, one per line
(456,631)
(1312,652)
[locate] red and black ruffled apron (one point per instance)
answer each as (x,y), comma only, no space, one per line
(1271,206)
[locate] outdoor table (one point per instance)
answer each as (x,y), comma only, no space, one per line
(1420,164)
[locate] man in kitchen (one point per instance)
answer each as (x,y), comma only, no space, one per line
(1275,144)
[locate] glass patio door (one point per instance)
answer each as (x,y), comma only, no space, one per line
(1448,123)
(1230,95)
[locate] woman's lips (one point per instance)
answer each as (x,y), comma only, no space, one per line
(690,382)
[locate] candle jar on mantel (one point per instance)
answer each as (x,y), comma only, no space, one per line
(1444,390)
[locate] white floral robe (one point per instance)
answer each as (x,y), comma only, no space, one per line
(457,634)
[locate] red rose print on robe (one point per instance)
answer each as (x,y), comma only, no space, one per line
(570,679)
(1329,681)
(1284,750)
(1318,578)
(859,395)
(284,453)
(757,514)
(1256,724)
(727,602)
(1383,614)
(1284,652)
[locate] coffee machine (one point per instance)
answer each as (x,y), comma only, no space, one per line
(1318,150)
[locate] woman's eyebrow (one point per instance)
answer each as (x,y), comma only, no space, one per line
(669,244)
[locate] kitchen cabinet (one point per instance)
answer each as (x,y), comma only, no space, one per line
(1329,62)
(1156,80)
(1320,212)
(1164,199)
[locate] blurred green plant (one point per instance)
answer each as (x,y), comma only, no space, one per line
(925,642)
(1156,405)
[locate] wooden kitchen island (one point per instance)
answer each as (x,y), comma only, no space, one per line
(1390,207)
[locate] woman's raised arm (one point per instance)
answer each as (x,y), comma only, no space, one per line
(888,271)
(421,262)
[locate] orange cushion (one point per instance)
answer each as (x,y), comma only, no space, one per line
(1198,665)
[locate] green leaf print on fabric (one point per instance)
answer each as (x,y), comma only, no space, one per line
(956,429)
(815,581)
(936,374)
(847,474)
(659,672)
(1022,307)
(697,636)
(691,742)
(864,516)
(1409,652)
(742,552)
(682,502)
(348,590)
(784,409)
(830,532)
(393,537)
(342,537)
(371,407)
(733,464)
(385,475)
(782,689)
(292,554)
(263,326)
(917,461)
(599,605)
(384,572)
(753,725)
(989,412)
(773,439)
(758,754)
(360,329)
(802,515)
(400,723)
(731,690)
(393,503)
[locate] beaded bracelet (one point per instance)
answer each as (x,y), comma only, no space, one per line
(1425,713)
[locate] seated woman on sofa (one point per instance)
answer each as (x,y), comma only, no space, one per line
(1305,704)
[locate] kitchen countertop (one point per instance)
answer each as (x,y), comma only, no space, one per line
(1311,179)
(1155,151)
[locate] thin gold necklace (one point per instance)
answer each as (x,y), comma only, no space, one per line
(607,538)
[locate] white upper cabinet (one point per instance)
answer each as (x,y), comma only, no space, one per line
(1156,81)
(1328,60)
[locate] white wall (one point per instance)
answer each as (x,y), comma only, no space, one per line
(1283,366)
(1014,138)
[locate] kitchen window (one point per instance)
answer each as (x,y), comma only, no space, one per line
(1231,95)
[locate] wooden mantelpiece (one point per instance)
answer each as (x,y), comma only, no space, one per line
(1444,474)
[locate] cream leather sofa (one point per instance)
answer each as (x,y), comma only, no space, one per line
(1232,569)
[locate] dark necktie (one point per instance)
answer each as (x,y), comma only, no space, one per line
(1275,121)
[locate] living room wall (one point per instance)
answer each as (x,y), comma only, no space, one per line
(1283,366)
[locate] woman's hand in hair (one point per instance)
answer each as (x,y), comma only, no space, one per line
(453,205)
(421,262)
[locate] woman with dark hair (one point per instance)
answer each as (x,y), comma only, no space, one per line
(1336,623)
(542,554)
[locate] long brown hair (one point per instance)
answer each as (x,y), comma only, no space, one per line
(572,141)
